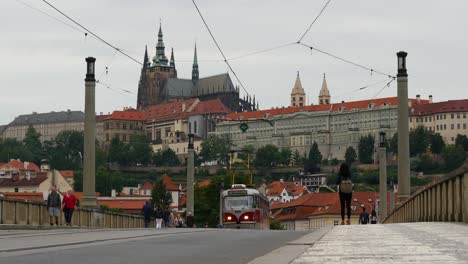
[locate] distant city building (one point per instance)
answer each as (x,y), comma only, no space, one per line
(168,125)
(311,181)
(49,125)
(447,118)
(281,191)
(159,83)
(298,96)
(120,124)
(334,127)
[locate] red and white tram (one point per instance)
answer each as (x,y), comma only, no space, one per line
(245,208)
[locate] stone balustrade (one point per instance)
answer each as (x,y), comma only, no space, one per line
(13,212)
(445,200)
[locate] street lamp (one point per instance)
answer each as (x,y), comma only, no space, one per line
(190,141)
(382,139)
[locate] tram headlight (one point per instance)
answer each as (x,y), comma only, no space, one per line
(229,218)
(246,217)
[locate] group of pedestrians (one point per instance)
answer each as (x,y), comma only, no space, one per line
(345,191)
(55,204)
(165,217)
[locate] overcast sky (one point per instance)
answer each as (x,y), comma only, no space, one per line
(42,65)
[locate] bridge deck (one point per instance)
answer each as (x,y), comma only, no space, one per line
(393,243)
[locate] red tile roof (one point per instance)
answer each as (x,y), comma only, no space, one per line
(439,107)
(23,166)
(275,188)
(175,110)
(67,173)
(34,181)
(204,183)
(346,106)
(128,114)
(25,196)
(170,186)
(147,186)
(169,111)
(100,118)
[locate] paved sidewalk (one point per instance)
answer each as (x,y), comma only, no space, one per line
(432,242)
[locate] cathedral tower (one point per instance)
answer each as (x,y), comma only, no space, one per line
(298,95)
(324,96)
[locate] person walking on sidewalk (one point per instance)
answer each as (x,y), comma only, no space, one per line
(68,206)
(345,192)
(147,211)
(159,216)
(53,206)
(364,217)
(373,217)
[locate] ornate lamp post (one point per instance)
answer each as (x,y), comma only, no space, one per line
(383,175)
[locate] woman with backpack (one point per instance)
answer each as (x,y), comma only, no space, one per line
(345,186)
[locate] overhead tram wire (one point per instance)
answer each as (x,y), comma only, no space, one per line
(219,48)
(313,22)
(347,61)
(262,51)
(92,33)
(383,88)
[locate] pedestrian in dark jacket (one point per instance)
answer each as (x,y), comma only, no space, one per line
(345,186)
(68,206)
(159,216)
(364,217)
(189,220)
(373,219)
(53,206)
(147,212)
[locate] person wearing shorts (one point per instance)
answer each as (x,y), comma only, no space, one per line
(53,206)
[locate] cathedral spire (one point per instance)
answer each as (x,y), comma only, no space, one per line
(324,96)
(160,58)
(145,59)
(195,73)
(172,63)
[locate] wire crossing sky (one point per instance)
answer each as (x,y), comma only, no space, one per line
(43,52)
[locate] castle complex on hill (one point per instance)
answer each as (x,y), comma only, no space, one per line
(159,83)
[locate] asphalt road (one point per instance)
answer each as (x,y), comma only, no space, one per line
(141,246)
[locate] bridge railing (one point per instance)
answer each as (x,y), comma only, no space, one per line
(444,200)
(14,212)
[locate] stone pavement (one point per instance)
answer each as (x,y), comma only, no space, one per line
(429,242)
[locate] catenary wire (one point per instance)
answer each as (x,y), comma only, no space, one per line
(313,22)
(92,33)
(219,48)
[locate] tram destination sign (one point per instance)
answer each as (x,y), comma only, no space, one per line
(237,192)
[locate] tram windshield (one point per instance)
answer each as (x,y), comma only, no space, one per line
(239,202)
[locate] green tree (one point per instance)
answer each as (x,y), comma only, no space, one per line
(78,181)
(454,156)
(160,195)
(33,144)
(437,143)
(165,157)
(139,150)
(276,225)
(462,140)
(366,149)
(216,149)
(10,148)
(106,181)
(118,152)
(315,157)
(297,159)
(350,155)
(65,152)
(267,156)
(419,141)
(285,156)
(247,150)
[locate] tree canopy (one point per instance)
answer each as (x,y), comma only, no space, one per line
(215,149)
(350,155)
(366,149)
(160,195)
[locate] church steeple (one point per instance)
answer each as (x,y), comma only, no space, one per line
(324,96)
(195,73)
(145,59)
(298,95)
(160,58)
(172,63)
